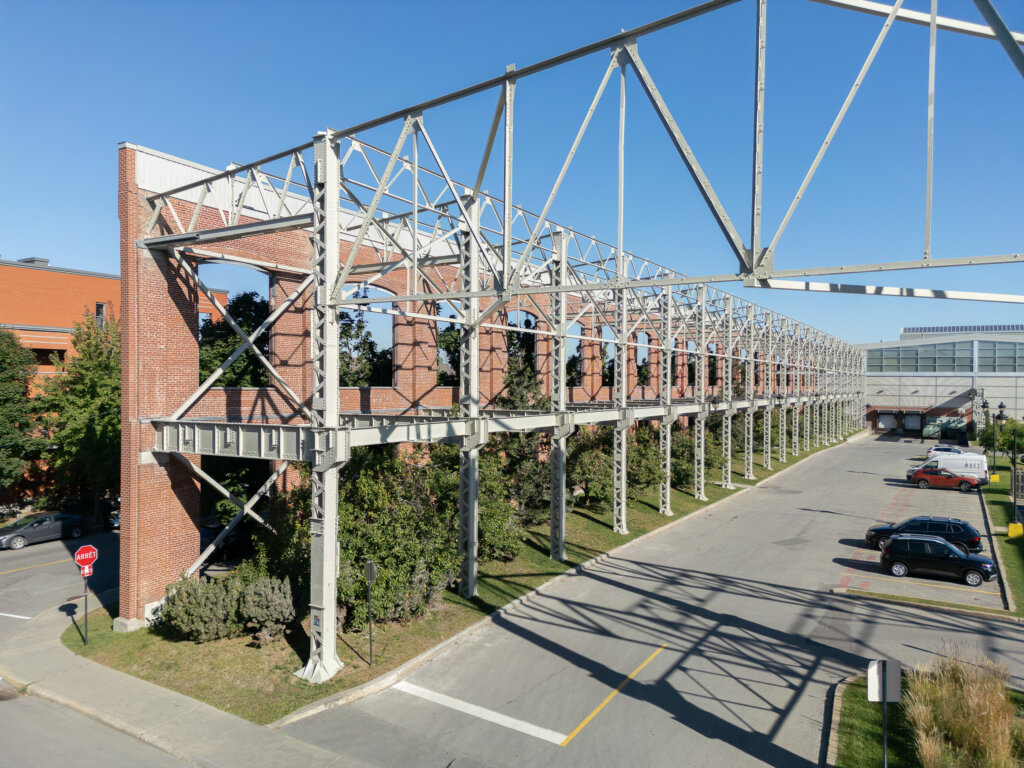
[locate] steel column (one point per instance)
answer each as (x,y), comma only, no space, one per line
(665,398)
(469,406)
(323,661)
(699,393)
(559,274)
(725,371)
(621,386)
(748,415)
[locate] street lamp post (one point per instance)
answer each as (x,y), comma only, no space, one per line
(984,410)
(1000,421)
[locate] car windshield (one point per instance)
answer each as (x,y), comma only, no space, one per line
(22,523)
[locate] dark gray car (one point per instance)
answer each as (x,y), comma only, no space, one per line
(44,526)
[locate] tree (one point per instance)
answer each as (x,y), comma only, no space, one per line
(449,343)
(217,341)
(589,465)
(361,364)
(518,453)
(81,412)
(17,443)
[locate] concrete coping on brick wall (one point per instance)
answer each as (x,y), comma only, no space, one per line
(390,678)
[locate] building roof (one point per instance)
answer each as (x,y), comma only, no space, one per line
(916,331)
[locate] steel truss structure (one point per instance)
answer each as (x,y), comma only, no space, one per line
(374,213)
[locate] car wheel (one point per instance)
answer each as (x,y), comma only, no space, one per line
(18,542)
(922,483)
(962,548)
(76,532)
(965,487)
(882,542)
(972,578)
(898,569)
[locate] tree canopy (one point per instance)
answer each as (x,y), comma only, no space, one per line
(81,412)
(217,341)
(17,367)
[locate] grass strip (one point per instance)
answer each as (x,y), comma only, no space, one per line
(1000,511)
(258,683)
(960,607)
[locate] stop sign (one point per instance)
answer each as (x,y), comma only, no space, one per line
(86,555)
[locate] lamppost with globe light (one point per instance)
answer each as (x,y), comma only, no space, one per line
(1000,421)
(984,410)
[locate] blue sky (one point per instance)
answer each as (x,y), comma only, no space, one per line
(231,82)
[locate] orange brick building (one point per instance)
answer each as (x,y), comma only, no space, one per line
(42,303)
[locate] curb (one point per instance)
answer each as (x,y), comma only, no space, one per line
(837,712)
(388,679)
(879,598)
(1007,594)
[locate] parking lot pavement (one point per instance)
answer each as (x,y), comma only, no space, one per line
(859,564)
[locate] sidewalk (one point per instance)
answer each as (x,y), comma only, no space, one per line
(32,657)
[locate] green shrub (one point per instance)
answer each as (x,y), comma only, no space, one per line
(643,461)
(589,466)
(202,609)
(403,515)
(267,603)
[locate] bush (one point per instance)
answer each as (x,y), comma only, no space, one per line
(404,517)
(589,466)
(643,461)
(978,726)
(202,609)
(267,603)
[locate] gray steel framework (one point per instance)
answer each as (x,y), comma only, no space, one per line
(482,256)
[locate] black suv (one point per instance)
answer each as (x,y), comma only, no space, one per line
(959,533)
(933,556)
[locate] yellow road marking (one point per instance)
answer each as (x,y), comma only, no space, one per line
(975,590)
(612,695)
(40,565)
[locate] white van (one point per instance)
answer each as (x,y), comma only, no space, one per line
(969,464)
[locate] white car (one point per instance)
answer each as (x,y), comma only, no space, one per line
(943,448)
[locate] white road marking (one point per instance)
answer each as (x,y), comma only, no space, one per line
(16,616)
(484,714)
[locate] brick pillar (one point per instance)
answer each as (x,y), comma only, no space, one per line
(655,371)
(591,354)
(493,360)
(415,355)
(542,359)
(160,368)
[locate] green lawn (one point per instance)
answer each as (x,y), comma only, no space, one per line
(860,732)
(257,683)
(1011,551)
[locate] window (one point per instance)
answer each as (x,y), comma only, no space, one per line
(918,548)
(101,314)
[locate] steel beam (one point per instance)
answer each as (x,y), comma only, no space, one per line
(559,356)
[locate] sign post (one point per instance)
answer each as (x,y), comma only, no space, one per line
(370,569)
(84,559)
(884,686)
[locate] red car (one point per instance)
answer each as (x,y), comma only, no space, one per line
(943,478)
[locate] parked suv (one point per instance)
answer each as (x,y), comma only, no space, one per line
(959,533)
(932,556)
(943,478)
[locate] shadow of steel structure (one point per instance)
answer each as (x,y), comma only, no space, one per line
(375,217)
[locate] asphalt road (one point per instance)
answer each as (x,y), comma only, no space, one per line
(39,732)
(715,643)
(41,576)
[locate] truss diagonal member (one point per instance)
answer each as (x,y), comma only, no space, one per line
(296,400)
(474,229)
(499,109)
(703,184)
(245,509)
(534,235)
(240,349)
(1003,34)
(368,215)
(769,255)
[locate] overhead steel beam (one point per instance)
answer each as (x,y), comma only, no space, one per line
(923,19)
(890,290)
(234,232)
